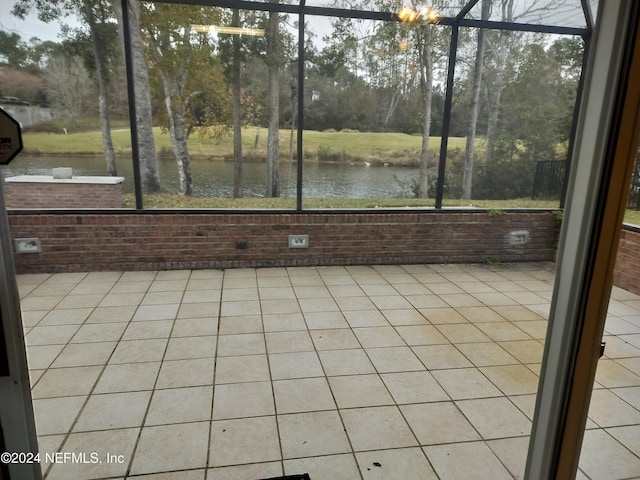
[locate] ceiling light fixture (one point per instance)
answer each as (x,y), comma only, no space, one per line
(421,14)
(255,32)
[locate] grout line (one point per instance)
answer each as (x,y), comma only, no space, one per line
(308,331)
(326,379)
(268,357)
(153,389)
(86,400)
(213,386)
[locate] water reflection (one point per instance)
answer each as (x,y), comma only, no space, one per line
(214,178)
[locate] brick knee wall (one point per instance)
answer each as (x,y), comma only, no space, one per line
(156,240)
(63,195)
(166,240)
(627,271)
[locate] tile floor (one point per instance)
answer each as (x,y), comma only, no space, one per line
(385,372)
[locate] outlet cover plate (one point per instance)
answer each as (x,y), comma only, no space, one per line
(519,237)
(27,245)
(298,241)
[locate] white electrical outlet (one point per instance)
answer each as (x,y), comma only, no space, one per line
(298,241)
(520,237)
(27,245)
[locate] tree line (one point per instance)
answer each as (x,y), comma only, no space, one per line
(514,92)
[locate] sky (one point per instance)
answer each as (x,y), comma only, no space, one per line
(31,27)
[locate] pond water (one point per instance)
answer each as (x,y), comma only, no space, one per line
(214,178)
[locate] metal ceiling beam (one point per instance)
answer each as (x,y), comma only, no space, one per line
(455,23)
(446,116)
(520,27)
(458,20)
(466,9)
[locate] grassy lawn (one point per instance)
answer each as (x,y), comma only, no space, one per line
(387,147)
(169,200)
(395,148)
(367,142)
(632,217)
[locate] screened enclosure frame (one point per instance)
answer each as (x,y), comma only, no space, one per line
(301,10)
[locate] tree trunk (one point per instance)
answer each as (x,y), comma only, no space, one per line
(238,175)
(474,105)
(173,85)
(144,119)
(177,133)
(494,95)
(294,120)
(103,95)
(395,100)
(273,138)
(426,87)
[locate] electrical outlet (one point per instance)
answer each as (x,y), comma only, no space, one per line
(519,237)
(27,245)
(298,241)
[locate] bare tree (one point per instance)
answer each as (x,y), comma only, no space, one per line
(188,72)
(494,92)
(238,174)
(499,53)
(273,60)
(173,77)
(474,104)
(91,12)
(424,38)
(144,118)
(98,48)
(70,86)
(16,82)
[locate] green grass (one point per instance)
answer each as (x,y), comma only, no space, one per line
(374,147)
(79,143)
(76,125)
(396,148)
(367,142)
(170,200)
(632,217)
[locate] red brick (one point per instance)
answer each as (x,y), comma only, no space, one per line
(167,240)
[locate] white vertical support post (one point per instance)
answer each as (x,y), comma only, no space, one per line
(588,190)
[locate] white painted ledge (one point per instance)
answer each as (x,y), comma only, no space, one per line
(98,180)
